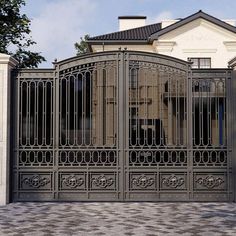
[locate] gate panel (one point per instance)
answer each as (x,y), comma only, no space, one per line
(34,157)
(88,161)
(212,149)
(67,140)
(157,166)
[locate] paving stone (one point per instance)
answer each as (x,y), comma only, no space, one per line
(118,219)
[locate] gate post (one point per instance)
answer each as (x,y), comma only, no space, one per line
(121,123)
(232,135)
(7,63)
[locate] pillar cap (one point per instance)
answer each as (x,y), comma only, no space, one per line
(7,59)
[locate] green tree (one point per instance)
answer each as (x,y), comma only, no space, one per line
(82,46)
(15,38)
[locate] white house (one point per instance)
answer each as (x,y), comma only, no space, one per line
(197,36)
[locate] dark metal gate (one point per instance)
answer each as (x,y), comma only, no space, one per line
(122,126)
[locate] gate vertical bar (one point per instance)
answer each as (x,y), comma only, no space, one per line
(229,133)
(233,130)
(190,174)
(126,125)
(121,123)
(56,100)
(15,162)
(232,114)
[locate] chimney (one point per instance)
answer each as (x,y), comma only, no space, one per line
(130,22)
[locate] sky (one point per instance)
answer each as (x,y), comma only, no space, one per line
(57,24)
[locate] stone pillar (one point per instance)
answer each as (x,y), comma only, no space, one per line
(7,63)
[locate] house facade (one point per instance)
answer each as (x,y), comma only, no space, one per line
(197,36)
(147,116)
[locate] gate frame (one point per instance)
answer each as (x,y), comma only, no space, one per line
(123,117)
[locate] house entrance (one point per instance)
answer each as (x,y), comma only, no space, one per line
(122,126)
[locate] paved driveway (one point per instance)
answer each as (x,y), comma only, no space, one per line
(36,219)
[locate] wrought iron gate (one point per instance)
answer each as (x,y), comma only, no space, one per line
(122,126)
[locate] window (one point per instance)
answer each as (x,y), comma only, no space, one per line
(200,63)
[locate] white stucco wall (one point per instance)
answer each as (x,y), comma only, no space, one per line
(112,47)
(6,64)
(199,38)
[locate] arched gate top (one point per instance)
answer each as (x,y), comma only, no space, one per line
(126,55)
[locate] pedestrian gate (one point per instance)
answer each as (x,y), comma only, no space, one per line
(122,126)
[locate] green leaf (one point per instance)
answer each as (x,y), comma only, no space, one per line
(15,33)
(82,46)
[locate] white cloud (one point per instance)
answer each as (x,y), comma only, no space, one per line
(165,15)
(59,26)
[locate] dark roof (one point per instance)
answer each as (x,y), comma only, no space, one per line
(152,32)
(140,33)
(184,21)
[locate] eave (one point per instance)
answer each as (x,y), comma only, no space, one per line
(189,19)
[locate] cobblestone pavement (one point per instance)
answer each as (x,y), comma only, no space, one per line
(72,219)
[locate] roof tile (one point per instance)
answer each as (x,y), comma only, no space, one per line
(140,33)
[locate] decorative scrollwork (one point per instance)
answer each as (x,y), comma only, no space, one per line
(73,181)
(36,181)
(102,181)
(143,181)
(173,181)
(210,181)
(146,154)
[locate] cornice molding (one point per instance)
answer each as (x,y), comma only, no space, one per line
(230,46)
(164,46)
